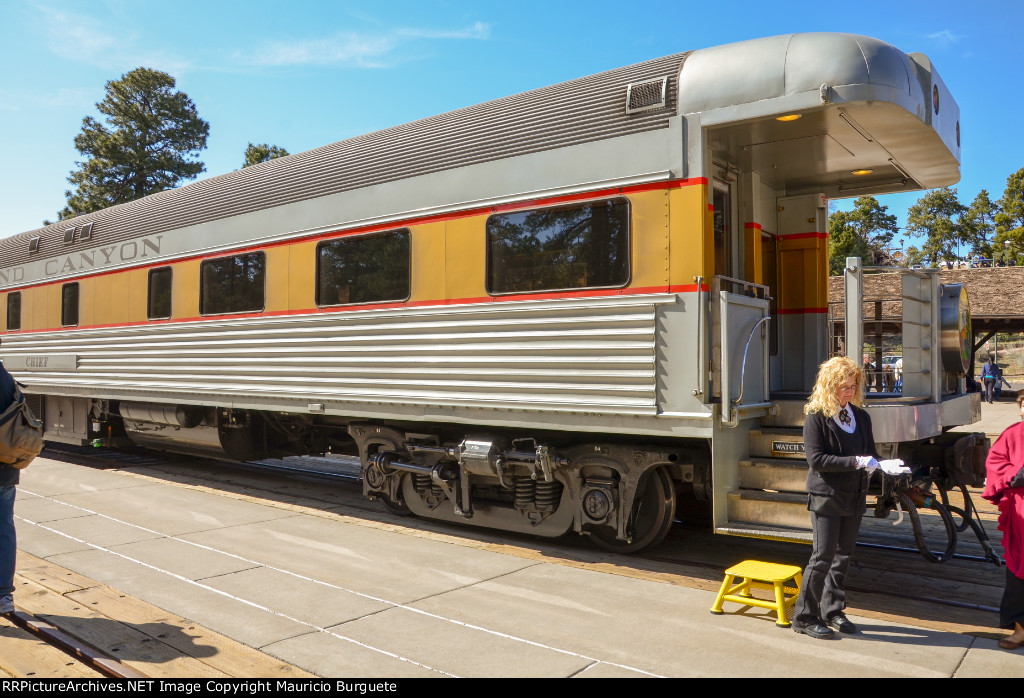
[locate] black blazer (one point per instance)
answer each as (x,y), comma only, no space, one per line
(835,485)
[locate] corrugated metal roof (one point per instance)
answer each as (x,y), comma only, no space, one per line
(582,110)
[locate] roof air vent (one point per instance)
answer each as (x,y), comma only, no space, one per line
(33,245)
(86,232)
(69,235)
(649,94)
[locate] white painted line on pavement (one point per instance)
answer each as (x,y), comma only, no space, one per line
(256,563)
(224,593)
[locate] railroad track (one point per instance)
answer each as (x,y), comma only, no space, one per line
(76,649)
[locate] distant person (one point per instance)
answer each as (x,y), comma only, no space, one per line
(889,379)
(841,456)
(1004,470)
(898,367)
(1000,381)
(988,379)
(8,485)
(867,368)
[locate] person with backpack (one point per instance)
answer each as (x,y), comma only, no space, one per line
(9,477)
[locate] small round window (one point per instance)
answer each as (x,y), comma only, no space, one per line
(935,98)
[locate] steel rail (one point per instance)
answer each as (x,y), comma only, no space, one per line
(73,646)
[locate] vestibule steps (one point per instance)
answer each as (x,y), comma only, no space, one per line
(771,500)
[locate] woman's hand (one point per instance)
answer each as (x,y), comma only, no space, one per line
(869,463)
(894,467)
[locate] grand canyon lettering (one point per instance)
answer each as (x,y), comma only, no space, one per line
(95,258)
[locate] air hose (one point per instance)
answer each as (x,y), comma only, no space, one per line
(915,520)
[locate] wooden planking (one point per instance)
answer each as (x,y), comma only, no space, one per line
(24,656)
(125,643)
(140,635)
(215,651)
(50,576)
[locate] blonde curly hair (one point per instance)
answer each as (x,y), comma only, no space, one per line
(831,375)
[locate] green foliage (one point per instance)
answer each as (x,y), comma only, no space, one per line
(979,224)
(1010,219)
(864,232)
(913,256)
(936,216)
(261,152)
(151,134)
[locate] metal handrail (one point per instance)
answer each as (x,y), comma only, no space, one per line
(743,368)
(699,390)
(745,284)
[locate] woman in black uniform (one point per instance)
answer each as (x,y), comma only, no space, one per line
(840,449)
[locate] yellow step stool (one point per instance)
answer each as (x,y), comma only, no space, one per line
(761,575)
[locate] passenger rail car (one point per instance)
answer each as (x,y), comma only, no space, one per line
(545,313)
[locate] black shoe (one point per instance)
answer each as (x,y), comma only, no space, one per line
(841,623)
(817,630)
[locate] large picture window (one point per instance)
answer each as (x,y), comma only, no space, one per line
(69,305)
(364,269)
(233,284)
(14,310)
(158,305)
(566,247)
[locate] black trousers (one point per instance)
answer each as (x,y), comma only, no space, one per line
(1011,609)
(823,588)
(990,389)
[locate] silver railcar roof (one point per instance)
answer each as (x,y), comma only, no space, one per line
(579,111)
(862,100)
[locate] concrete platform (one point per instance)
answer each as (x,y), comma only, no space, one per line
(995,418)
(342,596)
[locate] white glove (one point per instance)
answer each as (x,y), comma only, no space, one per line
(894,467)
(867,462)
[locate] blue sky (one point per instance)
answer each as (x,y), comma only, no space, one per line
(310,72)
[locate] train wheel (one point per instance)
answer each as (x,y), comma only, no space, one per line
(396,508)
(653,513)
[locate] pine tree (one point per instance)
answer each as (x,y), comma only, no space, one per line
(151,134)
(864,232)
(257,153)
(937,216)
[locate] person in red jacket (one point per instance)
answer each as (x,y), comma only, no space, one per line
(1004,487)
